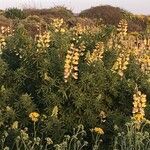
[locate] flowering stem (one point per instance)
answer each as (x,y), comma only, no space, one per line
(25,146)
(45,147)
(34,130)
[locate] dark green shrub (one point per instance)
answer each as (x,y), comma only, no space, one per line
(61,12)
(14,13)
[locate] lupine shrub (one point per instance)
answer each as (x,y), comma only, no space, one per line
(64,76)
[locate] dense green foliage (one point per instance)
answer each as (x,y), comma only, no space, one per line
(33,80)
(14,13)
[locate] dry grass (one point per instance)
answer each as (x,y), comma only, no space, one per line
(4,21)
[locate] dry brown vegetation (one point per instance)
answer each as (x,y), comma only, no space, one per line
(4,21)
(112,15)
(56,12)
(108,14)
